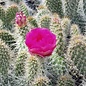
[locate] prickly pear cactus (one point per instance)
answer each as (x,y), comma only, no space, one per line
(55,6)
(76,51)
(20,63)
(8,38)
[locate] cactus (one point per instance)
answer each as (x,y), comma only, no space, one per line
(2,14)
(24,9)
(84,6)
(56,28)
(75,11)
(8,38)
(74,72)
(22,31)
(76,51)
(32,21)
(31,68)
(45,21)
(8,15)
(41,81)
(55,6)
(66,25)
(66,80)
(71,8)
(74,30)
(4,58)
(20,63)
(55,67)
(42,11)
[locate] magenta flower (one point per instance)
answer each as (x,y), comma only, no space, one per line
(40,41)
(20,19)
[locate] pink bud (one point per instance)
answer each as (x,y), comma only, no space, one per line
(20,19)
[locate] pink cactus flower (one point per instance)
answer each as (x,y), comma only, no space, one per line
(20,19)
(40,41)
